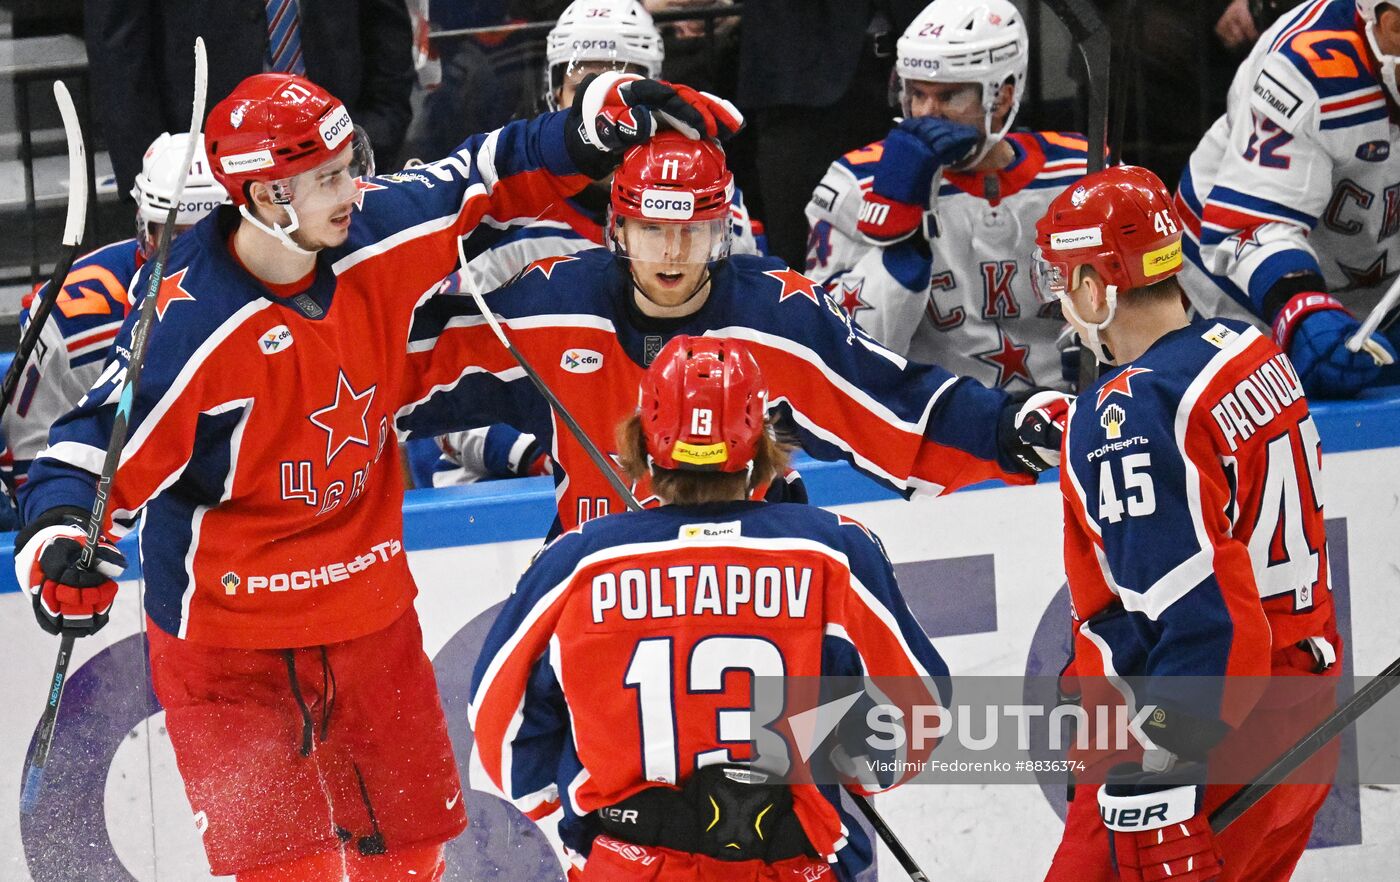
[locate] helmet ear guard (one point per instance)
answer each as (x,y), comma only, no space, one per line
(1121,222)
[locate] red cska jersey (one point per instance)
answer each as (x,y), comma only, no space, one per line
(625,657)
(261,447)
(1194,534)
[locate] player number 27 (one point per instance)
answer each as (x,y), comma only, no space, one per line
(711,659)
(1139,495)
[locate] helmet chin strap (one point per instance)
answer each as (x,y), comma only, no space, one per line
(1094,341)
(1387,62)
(277,231)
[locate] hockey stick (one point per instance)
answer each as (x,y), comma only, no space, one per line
(1092,39)
(140,332)
(73,229)
(1373,321)
(1345,714)
(622,490)
(882,829)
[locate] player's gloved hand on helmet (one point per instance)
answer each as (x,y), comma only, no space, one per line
(613,111)
(1032,428)
(913,153)
(1313,328)
(66,597)
(1156,827)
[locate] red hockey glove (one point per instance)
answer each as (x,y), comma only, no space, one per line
(67,598)
(613,111)
(1156,828)
(1033,428)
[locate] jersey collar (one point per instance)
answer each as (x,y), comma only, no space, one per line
(1025,165)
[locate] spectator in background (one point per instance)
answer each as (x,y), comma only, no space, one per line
(142,61)
(814,83)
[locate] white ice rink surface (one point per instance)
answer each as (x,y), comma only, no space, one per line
(956,832)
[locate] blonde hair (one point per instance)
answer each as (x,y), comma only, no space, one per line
(687,487)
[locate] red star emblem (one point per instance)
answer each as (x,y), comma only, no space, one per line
(1009,360)
(363,186)
(794,282)
(546,265)
(850,296)
(171,291)
(1121,383)
(346,420)
(1368,276)
(1245,239)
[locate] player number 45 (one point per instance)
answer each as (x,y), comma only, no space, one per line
(1139,498)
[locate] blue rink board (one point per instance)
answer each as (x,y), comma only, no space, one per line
(504,511)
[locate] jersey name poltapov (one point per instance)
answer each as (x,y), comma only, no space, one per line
(1257,400)
(663,593)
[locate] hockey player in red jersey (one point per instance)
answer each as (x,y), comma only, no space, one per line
(591,322)
(284,647)
(653,781)
(1194,547)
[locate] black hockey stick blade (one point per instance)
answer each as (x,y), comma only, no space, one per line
(1346,713)
(73,228)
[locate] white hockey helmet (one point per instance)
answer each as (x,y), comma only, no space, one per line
(616,32)
(1369,12)
(967,41)
(155,187)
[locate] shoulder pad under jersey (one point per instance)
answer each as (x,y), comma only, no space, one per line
(1312,75)
(837,196)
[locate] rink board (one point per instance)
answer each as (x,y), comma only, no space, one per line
(981,569)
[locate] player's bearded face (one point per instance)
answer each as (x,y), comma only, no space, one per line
(669,260)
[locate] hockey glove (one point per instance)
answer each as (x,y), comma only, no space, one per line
(1313,329)
(1157,830)
(913,153)
(614,111)
(1032,428)
(67,598)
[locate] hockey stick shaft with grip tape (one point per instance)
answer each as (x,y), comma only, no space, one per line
(1346,713)
(1377,314)
(140,333)
(881,828)
(73,227)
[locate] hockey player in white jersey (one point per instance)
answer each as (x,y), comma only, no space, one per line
(1292,199)
(74,342)
(924,236)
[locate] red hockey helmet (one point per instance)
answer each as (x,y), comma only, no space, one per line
(703,403)
(675,187)
(1120,221)
(275,126)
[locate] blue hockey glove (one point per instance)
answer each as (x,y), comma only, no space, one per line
(913,153)
(1313,329)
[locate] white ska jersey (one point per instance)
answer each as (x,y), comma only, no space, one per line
(1299,175)
(968,307)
